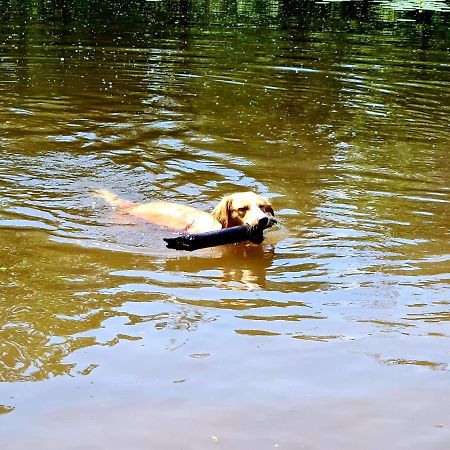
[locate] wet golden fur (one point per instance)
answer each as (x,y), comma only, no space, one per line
(234,209)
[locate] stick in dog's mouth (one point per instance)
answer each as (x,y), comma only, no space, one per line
(232,235)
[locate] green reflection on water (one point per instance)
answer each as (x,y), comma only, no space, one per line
(225,12)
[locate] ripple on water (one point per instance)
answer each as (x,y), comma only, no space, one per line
(349,140)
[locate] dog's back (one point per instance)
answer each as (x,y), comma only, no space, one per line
(171,215)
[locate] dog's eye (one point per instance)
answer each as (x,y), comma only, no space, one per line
(243,209)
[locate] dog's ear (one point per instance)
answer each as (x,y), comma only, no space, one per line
(268,206)
(222,211)
(269,209)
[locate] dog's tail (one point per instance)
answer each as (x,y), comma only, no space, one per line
(112,199)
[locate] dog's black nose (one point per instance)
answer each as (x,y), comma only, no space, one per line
(262,223)
(266,222)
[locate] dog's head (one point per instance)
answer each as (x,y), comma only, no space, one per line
(243,208)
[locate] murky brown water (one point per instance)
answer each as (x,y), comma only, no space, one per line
(336,337)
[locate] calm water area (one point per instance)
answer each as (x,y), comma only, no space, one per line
(335,337)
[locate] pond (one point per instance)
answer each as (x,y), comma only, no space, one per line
(336,336)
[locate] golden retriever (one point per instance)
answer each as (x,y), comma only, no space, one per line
(241,208)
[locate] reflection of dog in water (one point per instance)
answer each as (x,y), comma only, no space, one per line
(236,267)
(242,208)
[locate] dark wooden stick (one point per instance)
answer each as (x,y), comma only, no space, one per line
(233,235)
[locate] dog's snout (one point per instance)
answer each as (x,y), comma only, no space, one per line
(266,222)
(263,222)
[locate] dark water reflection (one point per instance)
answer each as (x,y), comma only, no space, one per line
(338,112)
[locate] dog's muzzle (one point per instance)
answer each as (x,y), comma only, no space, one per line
(266,222)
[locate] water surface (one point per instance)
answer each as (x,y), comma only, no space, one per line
(335,337)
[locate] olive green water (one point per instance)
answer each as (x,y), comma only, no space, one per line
(337,337)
